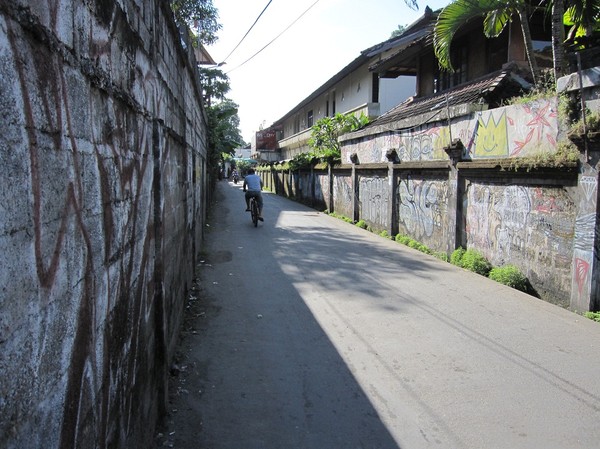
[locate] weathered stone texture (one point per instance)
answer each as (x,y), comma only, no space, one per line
(103,155)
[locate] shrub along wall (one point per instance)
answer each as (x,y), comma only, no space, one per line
(103,199)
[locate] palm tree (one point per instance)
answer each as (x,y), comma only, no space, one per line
(496,14)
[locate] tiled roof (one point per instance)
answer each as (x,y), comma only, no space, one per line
(474,92)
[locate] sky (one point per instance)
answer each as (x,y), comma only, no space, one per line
(323,37)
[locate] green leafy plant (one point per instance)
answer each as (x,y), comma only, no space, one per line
(325,132)
(456,256)
(544,90)
(593,316)
(442,256)
(424,249)
(566,154)
(401,238)
(592,124)
(384,234)
(474,261)
(509,275)
(361,224)
(193,12)
(339,216)
(302,160)
(412,243)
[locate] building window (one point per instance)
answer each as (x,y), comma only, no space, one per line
(309,119)
(459,60)
(333,105)
(375,98)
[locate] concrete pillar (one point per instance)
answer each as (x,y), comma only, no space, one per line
(392,218)
(330,187)
(355,193)
(585,267)
(455,152)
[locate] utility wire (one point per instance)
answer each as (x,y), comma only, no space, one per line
(250,29)
(275,38)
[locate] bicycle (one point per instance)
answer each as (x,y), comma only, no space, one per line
(254,210)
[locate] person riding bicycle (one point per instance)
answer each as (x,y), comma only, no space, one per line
(253,186)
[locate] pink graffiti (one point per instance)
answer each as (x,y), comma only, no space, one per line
(539,118)
(519,145)
(582,269)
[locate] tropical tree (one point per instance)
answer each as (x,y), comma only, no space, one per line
(223,131)
(325,132)
(200,15)
(222,114)
(496,13)
(215,84)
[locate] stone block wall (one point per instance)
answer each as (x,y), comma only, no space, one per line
(102,203)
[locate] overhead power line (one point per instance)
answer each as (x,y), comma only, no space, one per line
(250,29)
(276,37)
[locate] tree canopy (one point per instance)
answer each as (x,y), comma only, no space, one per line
(223,130)
(325,132)
(215,84)
(201,15)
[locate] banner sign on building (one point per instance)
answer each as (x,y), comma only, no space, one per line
(266,140)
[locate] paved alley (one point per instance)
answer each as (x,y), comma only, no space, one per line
(310,333)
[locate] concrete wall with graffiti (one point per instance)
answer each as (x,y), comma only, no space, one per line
(510,221)
(546,222)
(518,130)
(102,202)
(528,226)
(374,201)
(343,194)
(422,203)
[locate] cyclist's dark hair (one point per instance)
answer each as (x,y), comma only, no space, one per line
(251,171)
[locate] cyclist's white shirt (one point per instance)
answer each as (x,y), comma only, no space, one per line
(253,183)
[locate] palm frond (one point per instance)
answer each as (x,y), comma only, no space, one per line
(495,21)
(449,21)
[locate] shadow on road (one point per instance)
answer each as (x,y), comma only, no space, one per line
(254,368)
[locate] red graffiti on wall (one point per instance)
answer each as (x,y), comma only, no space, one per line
(47,110)
(582,268)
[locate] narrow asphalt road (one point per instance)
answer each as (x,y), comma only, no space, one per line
(310,333)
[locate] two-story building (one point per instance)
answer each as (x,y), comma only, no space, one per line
(356,89)
(404,69)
